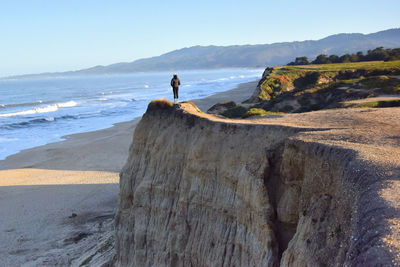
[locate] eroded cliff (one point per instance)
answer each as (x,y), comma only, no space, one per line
(314,189)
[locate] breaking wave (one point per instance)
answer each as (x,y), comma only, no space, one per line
(28,123)
(45,109)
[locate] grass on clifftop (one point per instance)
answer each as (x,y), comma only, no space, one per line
(369,65)
(325,86)
(161,103)
(287,78)
(378,104)
(242,112)
(259,112)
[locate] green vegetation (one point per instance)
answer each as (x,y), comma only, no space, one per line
(309,78)
(378,104)
(376,54)
(300,61)
(275,85)
(305,88)
(242,112)
(370,65)
(384,83)
(287,78)
(259,112)
(235,112)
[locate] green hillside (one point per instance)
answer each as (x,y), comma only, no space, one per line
(303,88)
(313,87)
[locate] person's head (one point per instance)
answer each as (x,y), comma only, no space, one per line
(175,75)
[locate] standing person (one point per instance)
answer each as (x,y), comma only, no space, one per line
(175,82)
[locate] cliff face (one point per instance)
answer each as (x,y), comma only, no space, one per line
(203,191)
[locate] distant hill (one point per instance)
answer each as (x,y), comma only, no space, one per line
(252,56)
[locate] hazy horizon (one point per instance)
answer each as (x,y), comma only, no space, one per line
(72,70)
(42,36)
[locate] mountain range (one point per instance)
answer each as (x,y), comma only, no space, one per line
(246,56)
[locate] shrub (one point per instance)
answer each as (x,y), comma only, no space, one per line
(310,78)
(235,112)
(273,86)
(385,83)
(379,104)
(259,112)
(221,107)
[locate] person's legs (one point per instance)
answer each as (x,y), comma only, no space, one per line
(175,89)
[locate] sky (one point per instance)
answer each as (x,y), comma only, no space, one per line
(48,36)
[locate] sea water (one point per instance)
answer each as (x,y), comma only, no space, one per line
(38,111)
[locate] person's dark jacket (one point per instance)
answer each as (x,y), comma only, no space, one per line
(175,82)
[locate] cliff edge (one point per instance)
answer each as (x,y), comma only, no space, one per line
(309,189)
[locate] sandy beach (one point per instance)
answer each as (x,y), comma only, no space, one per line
(58,200)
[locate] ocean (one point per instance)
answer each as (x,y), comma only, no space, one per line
(39,111)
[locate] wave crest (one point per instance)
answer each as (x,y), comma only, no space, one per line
(45,109)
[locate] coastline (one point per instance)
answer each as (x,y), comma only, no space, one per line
(59,199)
(84,151)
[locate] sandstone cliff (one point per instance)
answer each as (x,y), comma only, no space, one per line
(313,189)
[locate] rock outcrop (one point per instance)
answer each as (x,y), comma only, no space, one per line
(258,91)
(221,107)
(314,189)
(305,88)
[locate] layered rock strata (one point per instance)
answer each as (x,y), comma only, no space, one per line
(295,190)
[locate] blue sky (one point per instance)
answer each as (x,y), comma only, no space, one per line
(47,35)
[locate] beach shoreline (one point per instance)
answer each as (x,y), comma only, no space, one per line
(59,199)
(85,148)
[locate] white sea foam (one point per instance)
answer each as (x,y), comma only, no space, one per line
(49,119)
(46,109)
(67,104)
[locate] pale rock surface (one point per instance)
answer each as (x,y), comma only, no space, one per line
(313,189)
